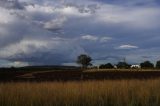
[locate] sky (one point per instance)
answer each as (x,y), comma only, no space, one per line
(55,32)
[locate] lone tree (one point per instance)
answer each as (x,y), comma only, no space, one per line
(84,60)
(158,64)
(147,64)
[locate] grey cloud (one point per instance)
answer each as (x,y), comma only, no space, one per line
(85,8)
(49,32)
(128,46)
(11,4)
(55,24)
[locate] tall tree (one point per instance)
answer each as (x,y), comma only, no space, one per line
(84,60)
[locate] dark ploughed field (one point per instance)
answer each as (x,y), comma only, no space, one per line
(75,75)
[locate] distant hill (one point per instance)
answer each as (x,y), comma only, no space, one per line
(40,68)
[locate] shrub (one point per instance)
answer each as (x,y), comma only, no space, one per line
(147,64)
(123,65)
(106,66)
(158,64)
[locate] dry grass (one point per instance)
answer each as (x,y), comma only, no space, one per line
(88,93)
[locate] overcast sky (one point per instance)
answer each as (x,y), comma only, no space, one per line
(55,32)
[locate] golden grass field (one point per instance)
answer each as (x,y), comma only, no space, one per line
(81,93)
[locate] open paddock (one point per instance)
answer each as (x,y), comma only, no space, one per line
(77,75)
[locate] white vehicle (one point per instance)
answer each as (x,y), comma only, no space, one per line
(136,66)
(115,67)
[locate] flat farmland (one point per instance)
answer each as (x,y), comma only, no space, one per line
(71,75)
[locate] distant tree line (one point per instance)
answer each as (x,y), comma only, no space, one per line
(85,61)
(124,65)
